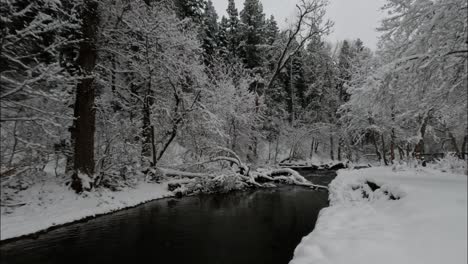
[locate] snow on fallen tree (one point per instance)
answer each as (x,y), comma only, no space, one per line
(193,183)
(187,183)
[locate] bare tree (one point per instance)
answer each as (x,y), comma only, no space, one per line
(309,23)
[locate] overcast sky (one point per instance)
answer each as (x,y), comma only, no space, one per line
(353,18)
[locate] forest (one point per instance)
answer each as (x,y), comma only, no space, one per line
(232,136)
(111,90)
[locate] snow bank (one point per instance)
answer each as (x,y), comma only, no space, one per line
(50,204)
(382,216)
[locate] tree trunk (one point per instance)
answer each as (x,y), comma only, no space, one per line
(291,93)
(463,147)
(84,123)
(401,153)
(340,144)
(392,147)
(332,154)
(384,156)
(377,152)
(276,149)
(419,148)
(393,137)
(269,151)
(453,140)
(146,148)
(312,145)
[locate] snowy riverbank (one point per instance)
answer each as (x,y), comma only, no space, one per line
(48,202)
(52,203)
(416,216)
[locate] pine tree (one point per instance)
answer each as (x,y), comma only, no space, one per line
(223,37)
(209,34)
(233,38)
(252,33)
(271,30)
(192,9)
(344,66)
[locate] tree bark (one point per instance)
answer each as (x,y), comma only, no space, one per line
(291,92)
(84,112)
(419,148)
(147,131)
(332,154)
(453,140)
(339,149)
(463,147)
(392,147)
(384,156)
(276,149)
(401,153)
(312,145)
(377,152)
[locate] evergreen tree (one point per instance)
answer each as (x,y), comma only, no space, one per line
(271,30)
(223,37)
(252,33)
(192,9)
(344,66)
(209,34)
(233,38)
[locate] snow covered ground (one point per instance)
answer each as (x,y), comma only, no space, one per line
(426,223)
(52,203)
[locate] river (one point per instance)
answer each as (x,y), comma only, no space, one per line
(257,226)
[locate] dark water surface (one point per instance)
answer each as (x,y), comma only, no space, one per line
(262,226)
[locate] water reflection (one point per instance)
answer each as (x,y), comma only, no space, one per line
(262,226)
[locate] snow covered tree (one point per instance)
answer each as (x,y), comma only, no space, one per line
(420,77)
(271,30)
(309,23)
(209,34)
(158,57)
(192,9)
(82,131)
(233,37)
(35,83)
(252,29)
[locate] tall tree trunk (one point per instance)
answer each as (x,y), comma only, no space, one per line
(392,147)
(147,131)
(340,145)
(291,93)
(84,123)
(332,145)
(277,148)
(419,148)
(312,145)
(408,151)
(401,153)
(453,140)
(377,152)
(384,156)
(269,151)
(463,147)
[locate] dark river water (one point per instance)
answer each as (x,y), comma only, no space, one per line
(261,226)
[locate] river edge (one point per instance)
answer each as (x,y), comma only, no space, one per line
(21,225)
(390,210)
(13,230)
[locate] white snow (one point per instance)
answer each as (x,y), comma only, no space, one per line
(51,203)
(427,225)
